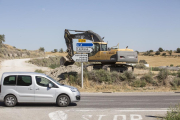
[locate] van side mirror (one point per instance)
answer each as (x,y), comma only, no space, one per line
(50,85)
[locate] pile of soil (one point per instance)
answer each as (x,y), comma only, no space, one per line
(58,73)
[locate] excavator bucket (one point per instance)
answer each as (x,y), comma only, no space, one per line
(65,61)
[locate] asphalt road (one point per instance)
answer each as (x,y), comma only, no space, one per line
(98,106)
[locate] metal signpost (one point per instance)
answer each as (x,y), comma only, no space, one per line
(82,47)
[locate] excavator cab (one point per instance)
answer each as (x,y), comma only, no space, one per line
(98,46)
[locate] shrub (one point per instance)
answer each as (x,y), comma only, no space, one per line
(39,71)
(61,50)
(162,75)
(143,61)
(41,49)
(170,52)
(164,54)
(154,83)
(171,65)
(173,114)
(129,74)
(146,53)
(53,66)
(156,69)
(178,50)
(140,66)
(122,77)
(147,77)
(157,53)
(176,81)
(160,49)
(138,83)
(55,50)
(151,51)
(100,76)
(178,73)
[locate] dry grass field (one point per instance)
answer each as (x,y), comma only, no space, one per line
(155,61)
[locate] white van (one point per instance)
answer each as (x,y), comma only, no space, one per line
(31,87)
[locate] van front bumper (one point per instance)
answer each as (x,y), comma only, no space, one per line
(76,96)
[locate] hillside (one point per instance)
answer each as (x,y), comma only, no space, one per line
(10,52)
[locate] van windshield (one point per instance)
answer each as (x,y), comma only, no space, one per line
(54,80)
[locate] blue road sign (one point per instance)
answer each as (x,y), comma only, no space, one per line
(84,44)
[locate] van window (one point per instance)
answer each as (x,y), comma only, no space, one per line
(24,80)
(44,82)
(10,80)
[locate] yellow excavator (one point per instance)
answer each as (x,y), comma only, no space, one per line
(106,58)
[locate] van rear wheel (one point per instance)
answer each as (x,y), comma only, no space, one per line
(10,100)
(63,101)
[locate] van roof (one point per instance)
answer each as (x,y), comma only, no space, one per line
(23,73)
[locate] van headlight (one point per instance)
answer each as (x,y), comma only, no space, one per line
(73,89)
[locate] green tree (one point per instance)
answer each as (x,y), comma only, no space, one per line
(178,50)
(55,50)
(2,39)
(160,49)
(170,52)
(151,51)
(61,50)
(41,49)
(157,53)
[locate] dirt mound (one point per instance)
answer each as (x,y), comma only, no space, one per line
(58,73)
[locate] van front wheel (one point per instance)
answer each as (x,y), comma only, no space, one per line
(63,101)
(10,100)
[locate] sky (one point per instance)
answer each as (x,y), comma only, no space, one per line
(140,24)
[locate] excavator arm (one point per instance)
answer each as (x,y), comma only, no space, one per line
(89,35)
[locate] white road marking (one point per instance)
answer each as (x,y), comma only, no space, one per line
(116,117)
(58,115)
(135,115)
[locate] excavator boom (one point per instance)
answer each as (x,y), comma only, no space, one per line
(89,35)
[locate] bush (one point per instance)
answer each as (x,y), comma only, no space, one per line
(176,82)
(146,53)
(160,49)
(170,52)
(156,69)
(39,71)
(178,50)
(41,49)
(140,66)
(129,74)
(122,77)
(53,66)
(178,73)
(164,54)
(171,65)
(162,75)
(151,51)
(173,114)
(139,83)
(55,50)
(157,53)
(147,77)
(61,50)
(143,61)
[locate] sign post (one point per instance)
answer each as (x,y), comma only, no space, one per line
(82,47)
